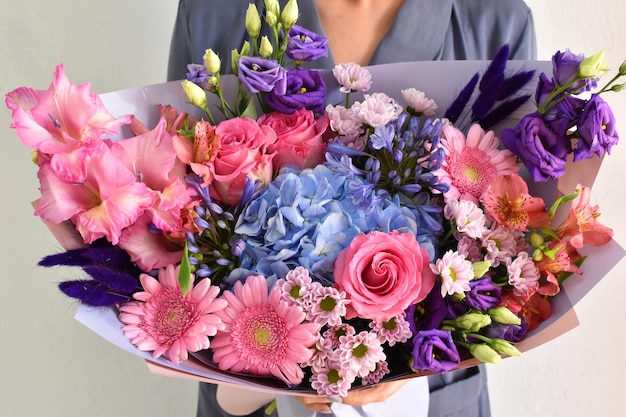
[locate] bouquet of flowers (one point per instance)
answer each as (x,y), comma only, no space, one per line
(264,231)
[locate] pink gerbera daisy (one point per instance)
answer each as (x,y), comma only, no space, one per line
(471,163)
(263,334)
(166,321)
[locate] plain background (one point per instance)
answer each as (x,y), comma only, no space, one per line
(50,365)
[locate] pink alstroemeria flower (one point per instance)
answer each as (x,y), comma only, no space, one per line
(509,203)
(581,223)
(200,153)
(152,158)
(109,199)
(66,121)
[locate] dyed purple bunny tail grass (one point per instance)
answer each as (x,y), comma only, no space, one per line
(458,105)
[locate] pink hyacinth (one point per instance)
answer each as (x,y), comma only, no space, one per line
(471,163)
(263,334)
(168,322)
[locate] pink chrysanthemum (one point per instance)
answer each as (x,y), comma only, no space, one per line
(470,249)
(333,379)
(500,244)
(263,334)
(328,306)
(352,77)
(297,287)
(333,333)
(471,163)
(165,321)
(377,109)
(360,352)
(418,101)
(347,125)
(323,351)
(374,377)
(395,330)
(523,275)
(468,217)
(455,271)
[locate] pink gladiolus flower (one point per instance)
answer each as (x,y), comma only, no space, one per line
(66,121)
(581,223)
(383,274)
(149,250)
(509,203)
(109,199)
(166,322)
(471,163)
(151,157)
(263,334)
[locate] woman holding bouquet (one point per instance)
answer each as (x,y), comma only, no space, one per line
(366,32)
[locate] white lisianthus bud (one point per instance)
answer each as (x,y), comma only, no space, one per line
(272,10)
(266,48)
(503,315)
(212,62)
(504,347)
(253,21)
(484,353)
(194,94)
(593,67)
(289,16)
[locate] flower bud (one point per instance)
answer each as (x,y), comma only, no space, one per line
(618,87)
(536,240)
(272,10)
(503,315)
(622,68)
(505,347)
(289,16)
(253,21)
(266,48)
(472,321)
(481,268)
(194,94)
(484,353)
(593,67)
(212,62)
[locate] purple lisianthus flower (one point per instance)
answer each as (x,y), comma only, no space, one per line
(483,294)
(304,45)
(565,113)
(542,151)
(262,75)
(565,69)
(511,332)
(198,74)
(434,350)
(305,88)
(429,313)
(596,129)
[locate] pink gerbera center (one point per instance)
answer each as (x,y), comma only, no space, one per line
(259,336)
(174,315)
(471,171)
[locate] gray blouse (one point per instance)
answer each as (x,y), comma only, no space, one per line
(424,30)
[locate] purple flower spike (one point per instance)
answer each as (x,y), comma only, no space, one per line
(434,350)
(262,75)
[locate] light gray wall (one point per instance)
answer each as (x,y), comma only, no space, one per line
(52,366)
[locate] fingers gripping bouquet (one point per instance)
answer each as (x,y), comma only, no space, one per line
(325,245)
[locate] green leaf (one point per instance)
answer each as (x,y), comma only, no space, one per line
(561,201)
(250,109)
(481,268)
(184,274)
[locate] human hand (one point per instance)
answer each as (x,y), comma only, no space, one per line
(372,394)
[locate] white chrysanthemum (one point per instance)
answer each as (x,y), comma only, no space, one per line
(418,101)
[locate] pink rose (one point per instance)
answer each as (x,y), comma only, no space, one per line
(243,153)
(383,274)
(298,138)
